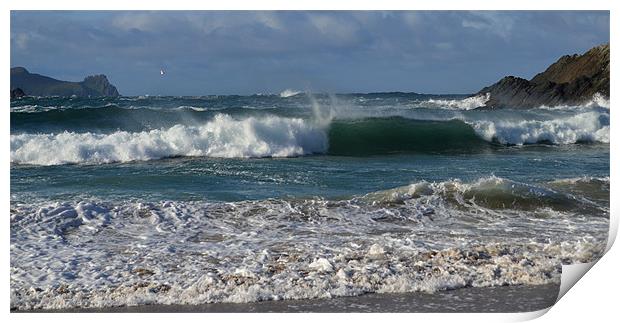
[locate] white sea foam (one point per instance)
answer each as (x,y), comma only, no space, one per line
(33,108)
(597,101)
(188,107)
(468,103)
(583,127)
(221,137)
(94,253)
(289,93)
(582,179)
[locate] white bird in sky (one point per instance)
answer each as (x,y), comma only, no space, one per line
(161,72)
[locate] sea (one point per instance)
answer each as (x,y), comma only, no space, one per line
(161,200)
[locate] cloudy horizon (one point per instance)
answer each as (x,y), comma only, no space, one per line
(247,52)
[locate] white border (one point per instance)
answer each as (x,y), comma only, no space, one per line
(595,296)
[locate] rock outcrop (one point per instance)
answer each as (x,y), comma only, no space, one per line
(39,85)
(571,80)
(17,93)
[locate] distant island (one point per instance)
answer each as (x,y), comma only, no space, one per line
(570,80)
(25,83)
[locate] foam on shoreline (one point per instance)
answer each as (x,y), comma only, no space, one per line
(425,237)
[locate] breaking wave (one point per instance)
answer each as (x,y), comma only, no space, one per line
(272,136)
(583,127)
(597,101)
(468,103)
(221,137)
(289,93)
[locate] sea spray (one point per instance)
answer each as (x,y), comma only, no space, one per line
(289,93)
(322,115)
(468,103)
(598,101)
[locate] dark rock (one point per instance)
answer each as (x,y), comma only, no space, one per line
(99,83)
(39,85)
(160,288)
(571,80)
(17,93)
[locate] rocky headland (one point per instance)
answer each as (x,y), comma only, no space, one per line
(571,80)
(26,83)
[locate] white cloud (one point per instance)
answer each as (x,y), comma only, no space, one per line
(207,23)
(475,24)
(491,22)
(332,27)
(269,19)
(21,40)
(140,21)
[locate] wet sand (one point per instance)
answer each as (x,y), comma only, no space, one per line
(505,299)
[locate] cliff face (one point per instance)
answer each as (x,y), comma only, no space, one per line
(570,80)
(39,85)
(99,84)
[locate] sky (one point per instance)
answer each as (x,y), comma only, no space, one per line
(248,52)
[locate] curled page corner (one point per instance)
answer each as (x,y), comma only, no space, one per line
(571,274)
(528,316)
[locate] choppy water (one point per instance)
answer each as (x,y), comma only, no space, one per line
(142,200)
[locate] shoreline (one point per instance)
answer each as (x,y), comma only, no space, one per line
(502,299)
